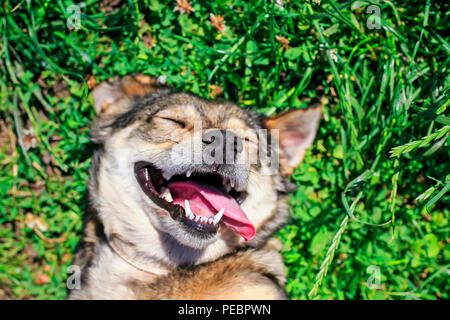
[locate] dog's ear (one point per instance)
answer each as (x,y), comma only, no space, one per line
(112,99)
(296,131)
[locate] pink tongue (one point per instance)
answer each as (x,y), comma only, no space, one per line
(206,201)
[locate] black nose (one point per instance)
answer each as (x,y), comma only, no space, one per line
(221,146)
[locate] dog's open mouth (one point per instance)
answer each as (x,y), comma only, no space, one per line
(202,201)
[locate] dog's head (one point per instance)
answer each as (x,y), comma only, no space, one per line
(178,171)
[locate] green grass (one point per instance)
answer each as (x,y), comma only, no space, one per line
(373,191)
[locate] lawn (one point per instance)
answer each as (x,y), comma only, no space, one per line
(370,215)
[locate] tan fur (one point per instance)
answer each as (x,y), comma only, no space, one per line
(246,275)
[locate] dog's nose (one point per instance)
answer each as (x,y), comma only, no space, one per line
(221,146)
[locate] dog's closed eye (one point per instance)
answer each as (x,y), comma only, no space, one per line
(181,124)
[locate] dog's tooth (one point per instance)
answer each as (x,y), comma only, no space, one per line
(197,218)
(146,174)
(167,175)
(165,192)
(218,216)
(210,220)
(187,208)
(232,183)
(203,219)
(188,173)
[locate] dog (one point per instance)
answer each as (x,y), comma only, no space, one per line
(177,207)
